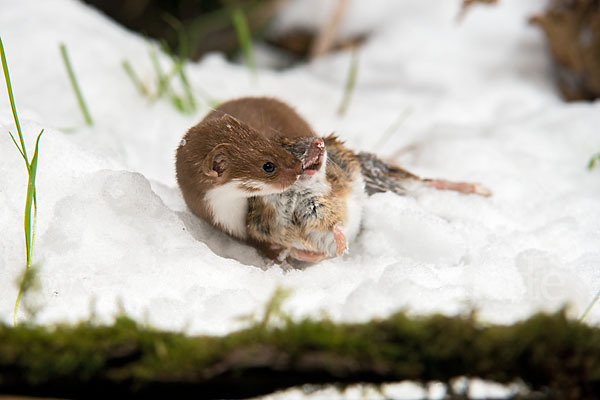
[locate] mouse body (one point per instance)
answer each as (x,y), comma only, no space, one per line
(320,214)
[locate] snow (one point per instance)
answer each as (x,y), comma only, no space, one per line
(475,388)
(473,101)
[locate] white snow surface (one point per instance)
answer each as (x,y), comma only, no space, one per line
(473,101)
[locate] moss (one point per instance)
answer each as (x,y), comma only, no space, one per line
(545,352)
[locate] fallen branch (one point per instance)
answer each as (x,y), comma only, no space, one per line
(550,353)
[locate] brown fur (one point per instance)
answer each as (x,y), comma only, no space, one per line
(269,116)
(218,150)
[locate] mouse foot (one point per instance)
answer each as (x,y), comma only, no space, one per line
(462,187)
(283,253)
(307,256)
(341,245)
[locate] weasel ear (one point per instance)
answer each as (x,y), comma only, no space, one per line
(216,161)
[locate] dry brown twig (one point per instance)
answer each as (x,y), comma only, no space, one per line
(326,36)
(466,4)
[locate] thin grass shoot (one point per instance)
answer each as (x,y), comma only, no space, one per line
(30,214)
(162,79)
(244,38)
(183,102)
(595,160)
(189,94)
(589,307)
(183,41)
(184,52)
(75,85)
(134,78)
(178,101)
(165,79)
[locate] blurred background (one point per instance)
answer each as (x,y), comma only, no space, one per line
(283,33)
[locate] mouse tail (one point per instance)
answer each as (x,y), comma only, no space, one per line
(380,177)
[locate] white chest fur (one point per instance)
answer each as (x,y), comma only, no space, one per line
(228,203)
(229,207)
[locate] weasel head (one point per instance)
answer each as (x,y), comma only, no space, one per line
(257,164)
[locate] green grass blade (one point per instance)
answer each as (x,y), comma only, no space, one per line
(244,38)
(31,200)
(18,147)
(183,52)
(29,224)
(183,41)
(178,102)
(589,307)
(186,103)
(134,78)
(350,82)
(182,104)
(191,101)
(593,161)
(75,85)
(162,79)
(18,301)
(177,65)
(12,104)
(214,103)
(34,220)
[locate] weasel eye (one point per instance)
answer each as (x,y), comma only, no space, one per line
(268,167)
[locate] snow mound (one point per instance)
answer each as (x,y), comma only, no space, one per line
(473,101)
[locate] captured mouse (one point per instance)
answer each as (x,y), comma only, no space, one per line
(319,214)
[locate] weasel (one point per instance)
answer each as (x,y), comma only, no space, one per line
(221,162)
